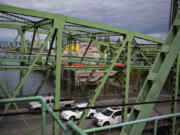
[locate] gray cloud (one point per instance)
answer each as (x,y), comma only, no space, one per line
(147,17)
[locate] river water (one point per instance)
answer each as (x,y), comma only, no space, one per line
(10,78)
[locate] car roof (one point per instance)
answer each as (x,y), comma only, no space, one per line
(49,97)
(80,105)
(52,97)
(115,108)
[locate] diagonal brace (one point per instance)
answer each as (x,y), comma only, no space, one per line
(19,33)
(42,82)
(28,71)
(6,92)
(87,49)
(142,53)
(103,80)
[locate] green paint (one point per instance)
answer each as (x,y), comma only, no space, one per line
(6,92)
(27,72)
(128,69)
(152,87)
(59,24)
(102,82)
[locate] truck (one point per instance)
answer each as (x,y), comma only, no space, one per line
(76,112)
(35,106)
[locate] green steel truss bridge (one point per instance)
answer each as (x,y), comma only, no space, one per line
(59,31)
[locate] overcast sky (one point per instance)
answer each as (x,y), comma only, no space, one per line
(146,16)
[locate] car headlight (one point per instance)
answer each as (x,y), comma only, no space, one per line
(65,115)
(100,120)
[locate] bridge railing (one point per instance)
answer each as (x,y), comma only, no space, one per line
(69,129)
(153,119)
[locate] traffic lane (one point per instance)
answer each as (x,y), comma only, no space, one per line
(15,125)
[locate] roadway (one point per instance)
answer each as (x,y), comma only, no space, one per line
(14,124)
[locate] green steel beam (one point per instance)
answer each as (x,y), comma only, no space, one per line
(22,50)
(127,79)
(84,67)
(15,18)
(44,24)
(89,77)
(15,67)
(42,83)
(111,29)
(19,27)
(177,130)
(173,12)
(77,32)
(38,39)
(100,34)
(86,61)
(27,71)
(124,124)
(3,59)
(32,43)
(43,107)
(58,24)
(6,92)
(103,80)
(141,52)
(69,72)
(175,95)
(155,81)
(14,41)
(94,41)
(10,26)
(87,49)
(70,128)
(48,67)
(51,46)
(102,56)
(28,12)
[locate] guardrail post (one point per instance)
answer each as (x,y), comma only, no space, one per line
(43,116)
(155,127)
(69,130)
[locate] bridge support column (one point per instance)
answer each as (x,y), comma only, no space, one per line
(175,94)
(127,79)
(58,24)
(22,49)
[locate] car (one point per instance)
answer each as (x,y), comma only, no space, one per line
(108,116)
(35,106)
(76,112)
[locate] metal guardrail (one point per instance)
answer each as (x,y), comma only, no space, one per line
(155,119)
(72,127)
(68,130)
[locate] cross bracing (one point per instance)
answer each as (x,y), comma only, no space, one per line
(62,35)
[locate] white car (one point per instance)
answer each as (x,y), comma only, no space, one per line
(76,113)
(108,116)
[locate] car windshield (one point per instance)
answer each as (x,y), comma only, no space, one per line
(74,108)
(107,112)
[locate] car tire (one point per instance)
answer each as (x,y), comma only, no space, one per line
(106,123)
(72,118)
(67,106)
(37,111)
(91,116)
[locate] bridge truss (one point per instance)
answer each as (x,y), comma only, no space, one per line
(60,31)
